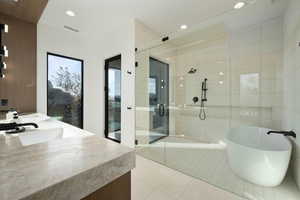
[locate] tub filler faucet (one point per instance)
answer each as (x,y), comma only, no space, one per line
(285,133)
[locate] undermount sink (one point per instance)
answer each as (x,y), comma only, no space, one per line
(35,136)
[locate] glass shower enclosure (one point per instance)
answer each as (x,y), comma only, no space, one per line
(243,89)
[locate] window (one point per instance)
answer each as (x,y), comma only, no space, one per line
(65,89)
(113,98)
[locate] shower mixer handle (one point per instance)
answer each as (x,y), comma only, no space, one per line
(195,99)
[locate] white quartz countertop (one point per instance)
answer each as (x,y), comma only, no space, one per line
(71,166)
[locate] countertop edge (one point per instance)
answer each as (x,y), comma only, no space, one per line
(87,182)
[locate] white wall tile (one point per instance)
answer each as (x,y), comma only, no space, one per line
(291,90)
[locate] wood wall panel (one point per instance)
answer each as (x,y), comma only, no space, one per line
(26,10)
(19,85)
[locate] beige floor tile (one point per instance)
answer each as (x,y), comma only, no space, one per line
(152,181)
(198,190)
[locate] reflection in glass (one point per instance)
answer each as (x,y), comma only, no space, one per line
(64,96)
(114,100)
(249,89)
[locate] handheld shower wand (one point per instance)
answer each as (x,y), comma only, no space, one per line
(202,114)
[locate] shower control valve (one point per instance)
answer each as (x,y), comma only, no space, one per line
(195,99)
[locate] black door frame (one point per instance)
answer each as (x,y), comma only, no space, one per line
(168,82)
(82,80)
(106,89)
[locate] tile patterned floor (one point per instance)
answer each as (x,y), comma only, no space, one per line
(210,165)
(152,181)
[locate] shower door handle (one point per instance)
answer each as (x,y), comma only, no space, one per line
(161,110)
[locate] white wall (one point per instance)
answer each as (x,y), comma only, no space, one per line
(93,49)
(291,76)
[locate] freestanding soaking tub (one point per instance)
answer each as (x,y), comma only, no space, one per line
(257,157)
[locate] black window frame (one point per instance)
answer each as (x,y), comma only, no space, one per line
(106,96)
(82,82)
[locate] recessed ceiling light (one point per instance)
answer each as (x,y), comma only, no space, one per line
(183,27)
(70,13)
(239,5)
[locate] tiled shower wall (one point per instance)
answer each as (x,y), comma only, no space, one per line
(291,74)
(211,60)
(244,71)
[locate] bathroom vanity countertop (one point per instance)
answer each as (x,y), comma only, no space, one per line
(72,167)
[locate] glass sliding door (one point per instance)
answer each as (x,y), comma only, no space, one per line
(113,98)
(158,86)
(65,89)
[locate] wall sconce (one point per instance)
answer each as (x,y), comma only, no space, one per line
(2,75)
(3,50)
(3,65)
(4,28)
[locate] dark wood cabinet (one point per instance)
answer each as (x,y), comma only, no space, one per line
(119,189)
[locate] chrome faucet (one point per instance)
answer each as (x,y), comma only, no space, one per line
(285,133)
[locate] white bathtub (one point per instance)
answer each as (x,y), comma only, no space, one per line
(257,157)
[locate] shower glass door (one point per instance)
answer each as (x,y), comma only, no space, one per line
(158,86)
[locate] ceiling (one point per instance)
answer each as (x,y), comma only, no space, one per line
(210,33)
(163,16)
(220,26)
(27,10)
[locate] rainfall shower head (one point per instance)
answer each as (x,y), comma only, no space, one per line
(192,71)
